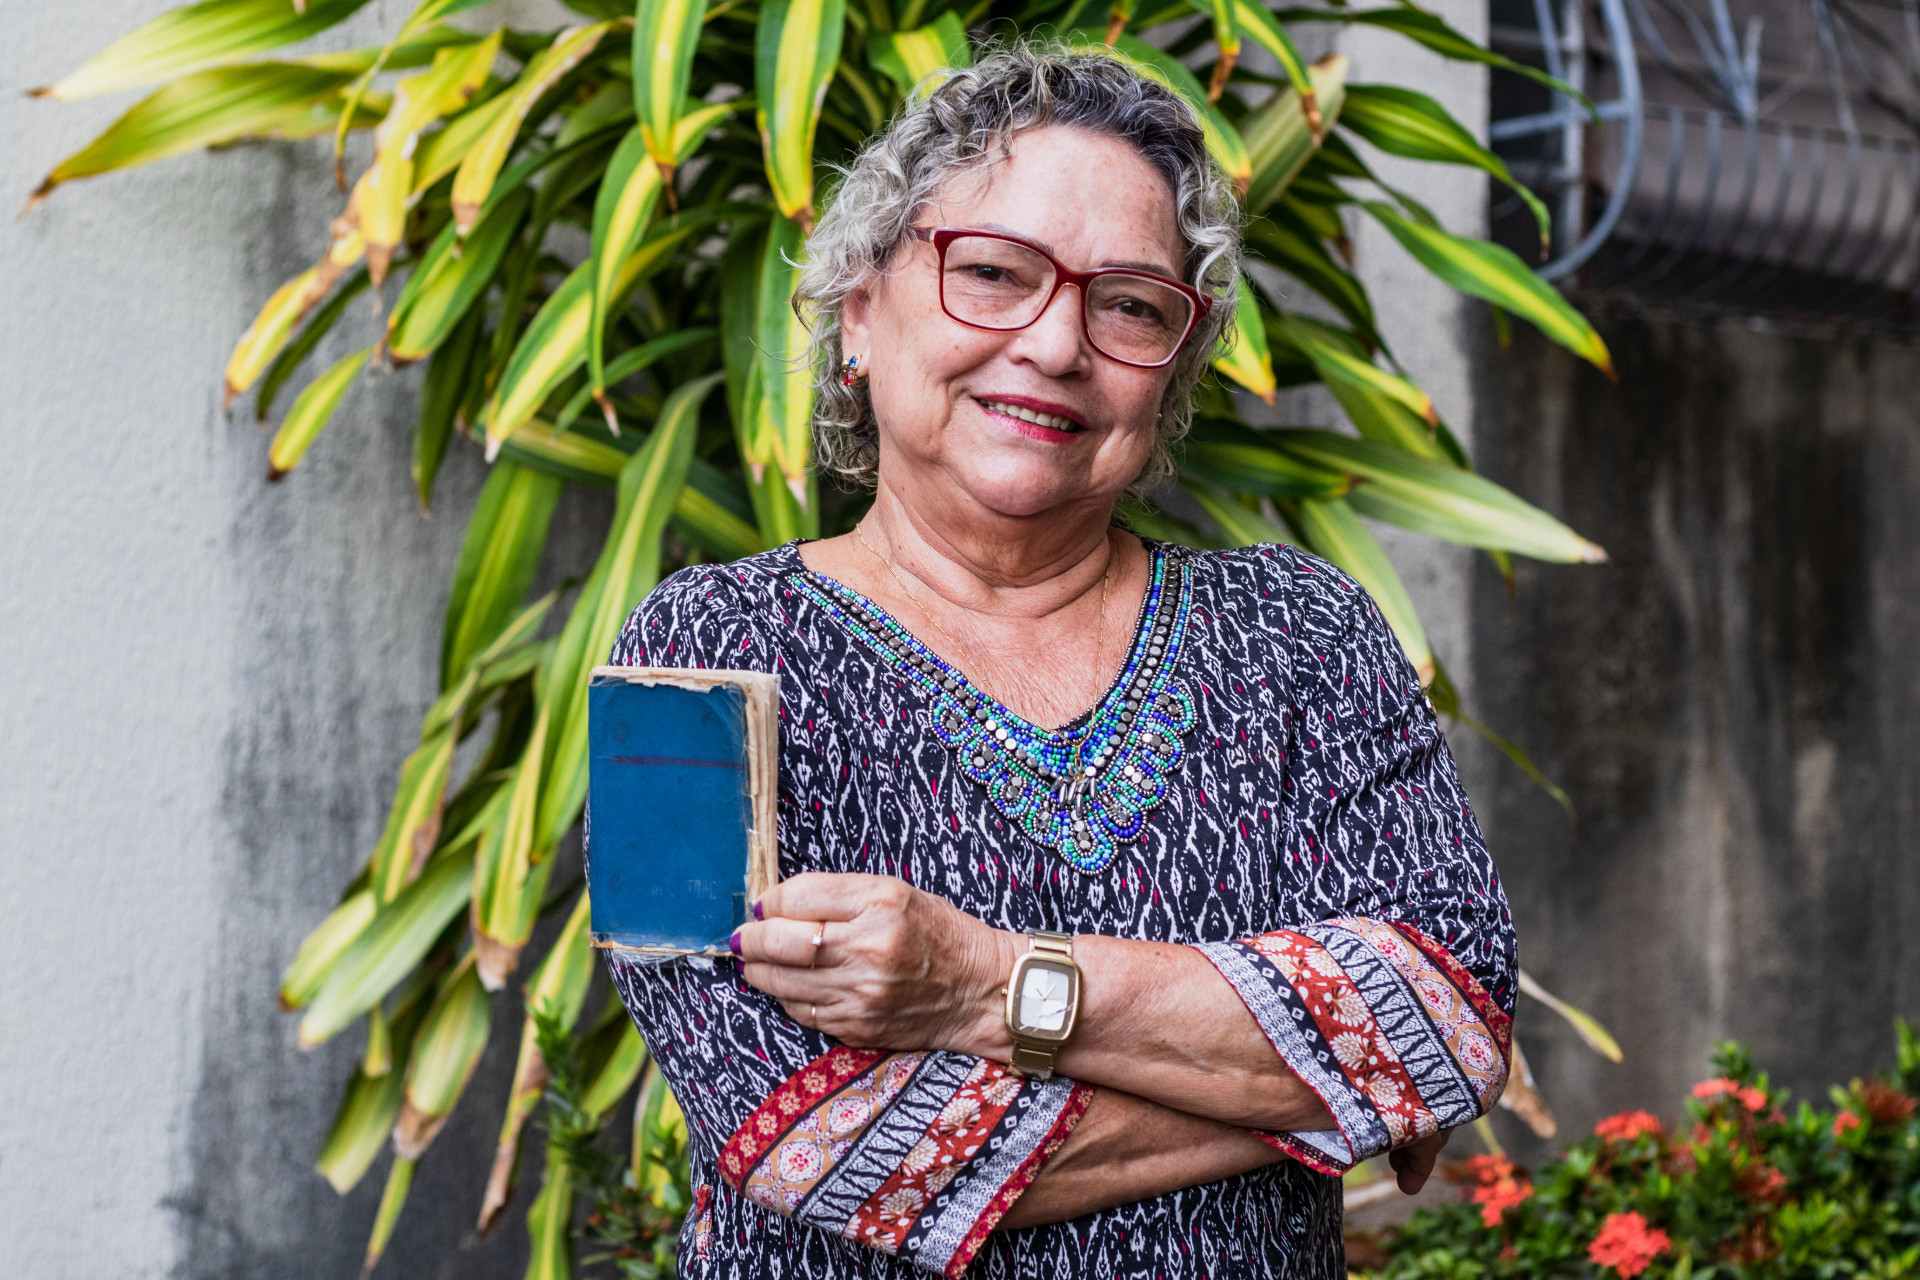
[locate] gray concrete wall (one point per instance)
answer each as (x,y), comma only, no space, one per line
(1732,702)
(208,684)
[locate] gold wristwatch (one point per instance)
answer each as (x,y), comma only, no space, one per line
(1043,999)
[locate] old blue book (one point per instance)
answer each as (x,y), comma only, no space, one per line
(682,773)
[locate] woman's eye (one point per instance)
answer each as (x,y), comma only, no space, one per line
(1136,309)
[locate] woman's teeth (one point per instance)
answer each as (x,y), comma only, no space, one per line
(1053,422)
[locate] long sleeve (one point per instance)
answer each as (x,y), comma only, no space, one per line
(1395,1005)
(917,1155)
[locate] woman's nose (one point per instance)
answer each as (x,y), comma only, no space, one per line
(1056,342)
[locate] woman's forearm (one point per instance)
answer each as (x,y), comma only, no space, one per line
(1126,1148)
(1158,1021)
(876,963)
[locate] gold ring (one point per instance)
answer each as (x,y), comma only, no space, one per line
(816,1017)
(819,936)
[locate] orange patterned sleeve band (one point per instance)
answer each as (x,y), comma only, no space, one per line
(918,1155)
(1396,1038)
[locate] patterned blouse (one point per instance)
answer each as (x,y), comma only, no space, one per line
(1264,781)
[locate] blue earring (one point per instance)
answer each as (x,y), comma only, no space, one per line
(850,371)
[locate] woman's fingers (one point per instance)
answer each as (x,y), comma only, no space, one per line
(785,984)
(780,941)
(1413,1163)
(829,895)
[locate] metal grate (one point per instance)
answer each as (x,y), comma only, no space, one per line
(1752,155)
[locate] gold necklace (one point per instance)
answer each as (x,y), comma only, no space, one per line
(974,669)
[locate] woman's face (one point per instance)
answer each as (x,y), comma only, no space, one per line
(941,390)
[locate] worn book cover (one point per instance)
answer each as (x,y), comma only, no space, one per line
(683,768)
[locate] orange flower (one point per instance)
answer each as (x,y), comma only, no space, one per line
(1485,1170)
(1494,1200)
(1627,1244)
(1749,1096)
(1843,1122)
(1628,1125)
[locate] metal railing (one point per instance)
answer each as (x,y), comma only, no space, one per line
(1766,161)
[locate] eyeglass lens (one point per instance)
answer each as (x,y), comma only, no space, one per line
(998,284)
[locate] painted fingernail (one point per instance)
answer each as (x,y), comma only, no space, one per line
(733,943)
(758,913)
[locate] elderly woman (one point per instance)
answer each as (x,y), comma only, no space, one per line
(1129,891)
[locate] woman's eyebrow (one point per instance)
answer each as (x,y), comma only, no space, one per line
(1151,268)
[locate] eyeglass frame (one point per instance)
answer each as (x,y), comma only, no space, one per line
(941,237)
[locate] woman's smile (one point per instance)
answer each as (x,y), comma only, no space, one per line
(1035,419)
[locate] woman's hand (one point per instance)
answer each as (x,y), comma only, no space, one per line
(895,968)
(1413,1163)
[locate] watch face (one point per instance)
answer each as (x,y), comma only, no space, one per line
(1044,994)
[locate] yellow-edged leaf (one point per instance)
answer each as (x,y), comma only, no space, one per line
(198,36)
(782,434)
(796,48)
(209,108)
(1382,405)
(555,344)
(413,823)
(1243,354)
(312,410)
(1244,461)
(628,195)
(505,885)
(557,989)
(665,34)
(1223,140)
(1406,122)
(1257,20)
(617,1072)
(1282,135)
(271,329)
(390,947)
(914,59)
(380,198)
(1239,525)
(1439,500)
(371,1103)
(1486,270)
(1226,37)
(505,538)
(450,278)
(392,1200)
(324,946)
(488,152)
(446,1049)
(441,151)
(550,1222)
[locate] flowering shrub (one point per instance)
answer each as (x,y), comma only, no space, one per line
(1744,1189)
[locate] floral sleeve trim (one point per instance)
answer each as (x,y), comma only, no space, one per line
(1057,1106)
(1385,1031)
(914,1154)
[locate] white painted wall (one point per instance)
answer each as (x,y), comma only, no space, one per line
(206,684)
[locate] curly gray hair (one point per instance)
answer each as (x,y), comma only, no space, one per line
(972,119)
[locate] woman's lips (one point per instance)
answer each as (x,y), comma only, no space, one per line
(1020,414)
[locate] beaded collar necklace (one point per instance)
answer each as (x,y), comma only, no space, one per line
(1084,789)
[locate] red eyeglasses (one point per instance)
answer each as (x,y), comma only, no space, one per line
(1000,282)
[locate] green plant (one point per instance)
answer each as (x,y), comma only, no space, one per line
(683,140)
(1748,1191)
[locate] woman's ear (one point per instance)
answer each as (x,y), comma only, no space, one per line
(856,322)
